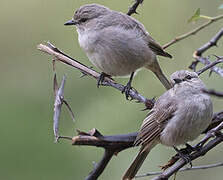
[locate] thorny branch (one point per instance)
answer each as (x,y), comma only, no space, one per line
(96,141)
(50,49)
(116,143)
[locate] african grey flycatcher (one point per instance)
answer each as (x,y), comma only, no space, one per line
(116,43)
(178,116)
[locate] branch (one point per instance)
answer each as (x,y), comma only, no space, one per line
(112,145)
(62,57)
(193,32)
(207,62)
(209,66)
(99,167)
(179,164)
(116,143)
(211,43)
(133,8)
(198,55)
(213,92)
(184,169)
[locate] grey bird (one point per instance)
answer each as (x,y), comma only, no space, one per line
(180,115)
(116,43)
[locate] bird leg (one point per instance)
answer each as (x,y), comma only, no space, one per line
(101,78)
(184,155)
(128,86)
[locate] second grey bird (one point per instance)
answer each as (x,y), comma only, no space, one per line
(116,43)
(180,115)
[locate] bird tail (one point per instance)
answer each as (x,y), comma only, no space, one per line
(163,80)
(138,161)
(155,68)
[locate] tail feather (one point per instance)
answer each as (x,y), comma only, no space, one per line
(163,80)
(155,68)
(135,166)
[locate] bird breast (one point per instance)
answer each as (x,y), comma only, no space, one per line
(115,51)
(191,118)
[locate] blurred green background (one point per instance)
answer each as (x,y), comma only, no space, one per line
(27,147)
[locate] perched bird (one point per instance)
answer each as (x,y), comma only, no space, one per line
(178,116)
(116,43)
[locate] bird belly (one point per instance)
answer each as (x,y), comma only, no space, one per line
(116,53)
(188,125)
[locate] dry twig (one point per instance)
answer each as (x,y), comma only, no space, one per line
(193,32)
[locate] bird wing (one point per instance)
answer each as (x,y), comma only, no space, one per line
(155,122)
(128,22)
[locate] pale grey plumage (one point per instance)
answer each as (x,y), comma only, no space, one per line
(117,43)
(178,116)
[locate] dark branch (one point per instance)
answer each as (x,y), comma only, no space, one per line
(115,143)
(198,55)
(213,92)
(111,144)
(179,164)
(99,167)
(211,43)
(133,8)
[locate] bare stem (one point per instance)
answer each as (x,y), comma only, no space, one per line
(193,32)
(208,166)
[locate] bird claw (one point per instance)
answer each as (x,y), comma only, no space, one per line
(126,90)
(101,78)
(185,157)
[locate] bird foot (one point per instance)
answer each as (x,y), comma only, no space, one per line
(126,90)
(184,156)
(101,78)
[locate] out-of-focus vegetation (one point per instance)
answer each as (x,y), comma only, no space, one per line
(27,145)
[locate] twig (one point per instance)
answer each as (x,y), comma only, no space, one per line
(111,144)
(107,82)
(179,164)
(198,54)
(213,92)
(211,43)
(133,8)
(207,62)
(59,97)
(99,167)
(208,166)
(209,66)
(193,32)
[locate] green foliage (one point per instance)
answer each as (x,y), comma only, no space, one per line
(195,17)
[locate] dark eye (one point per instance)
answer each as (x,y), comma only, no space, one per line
(83,20)
(188,77)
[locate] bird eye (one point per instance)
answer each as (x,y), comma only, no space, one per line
(188,77)
(83,20)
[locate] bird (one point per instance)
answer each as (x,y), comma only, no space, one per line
(180,115)
(116,43)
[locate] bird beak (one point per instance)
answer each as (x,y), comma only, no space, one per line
(71,22)
(177,81)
